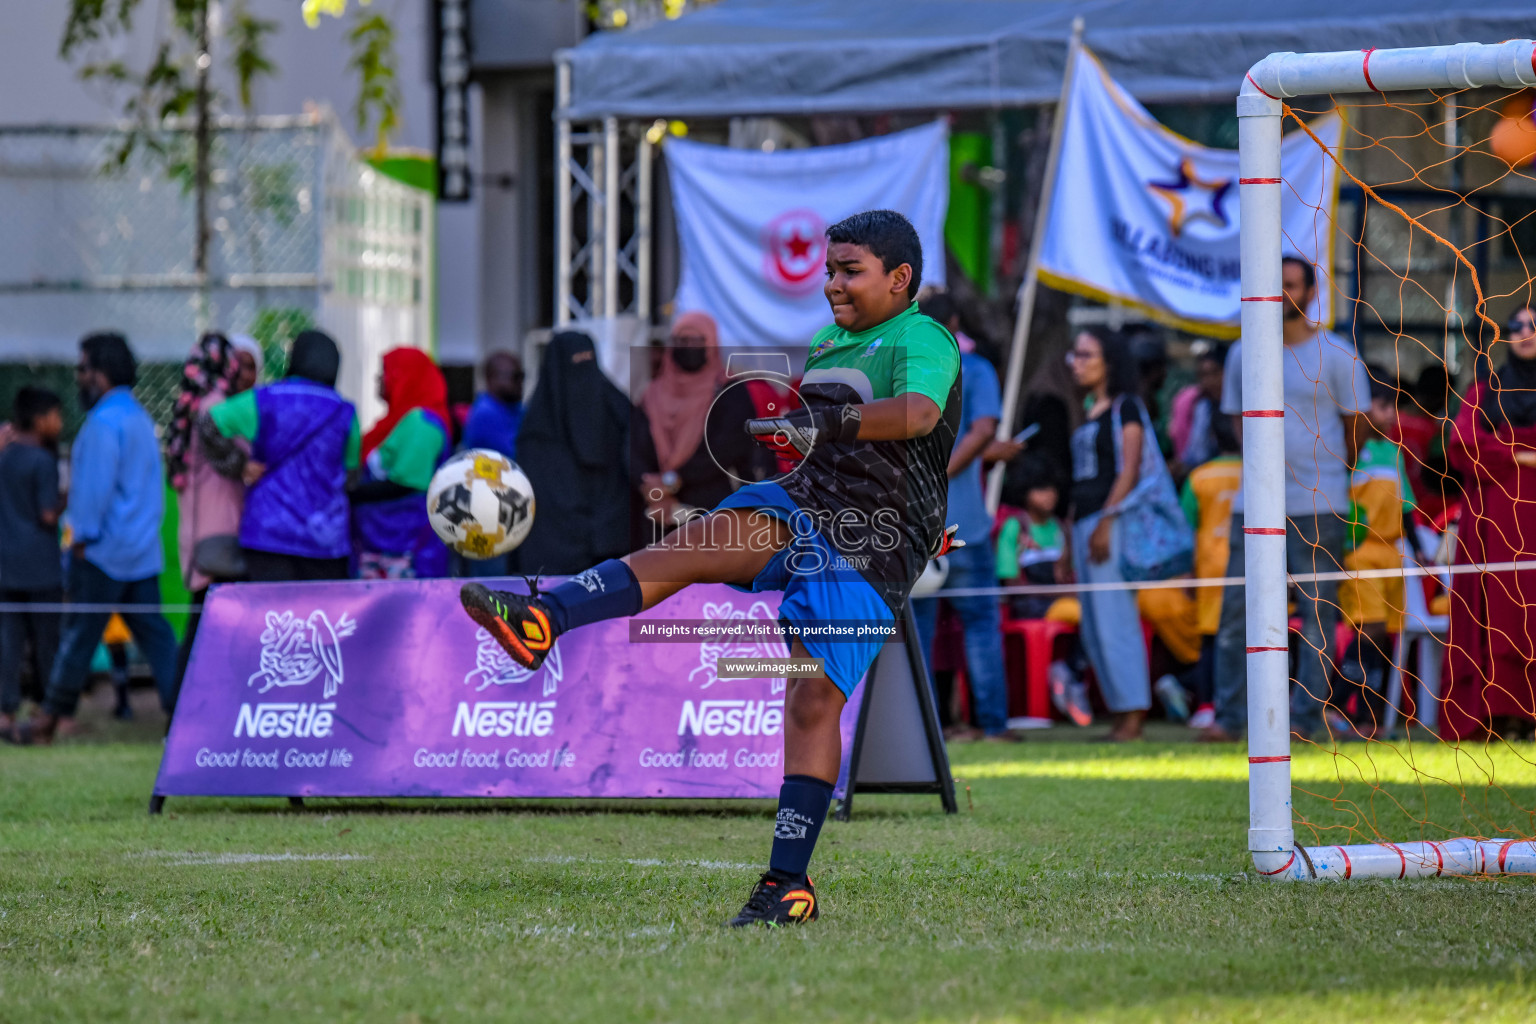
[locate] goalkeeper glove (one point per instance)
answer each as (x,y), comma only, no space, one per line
(947,542)
(794,435)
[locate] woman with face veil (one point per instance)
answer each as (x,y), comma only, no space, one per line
(689,451)
(572,444)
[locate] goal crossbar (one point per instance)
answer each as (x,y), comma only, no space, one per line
(1280,76)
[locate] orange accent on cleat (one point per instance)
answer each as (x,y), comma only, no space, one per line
(537,633)
(509,638)
(800,903)
(522,630)
(773,906)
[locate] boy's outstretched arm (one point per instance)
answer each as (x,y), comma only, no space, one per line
(888,419)
(899,418)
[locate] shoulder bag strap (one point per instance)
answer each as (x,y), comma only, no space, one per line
(1117,426)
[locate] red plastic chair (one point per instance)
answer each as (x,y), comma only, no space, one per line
(1038,637)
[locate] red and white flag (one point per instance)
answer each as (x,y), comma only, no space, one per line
(753,225)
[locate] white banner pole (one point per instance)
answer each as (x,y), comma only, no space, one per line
(563,225)
(1013,381)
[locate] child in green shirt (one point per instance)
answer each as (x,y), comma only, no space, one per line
(1030,542)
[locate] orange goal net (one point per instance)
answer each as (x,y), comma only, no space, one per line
(1412,559)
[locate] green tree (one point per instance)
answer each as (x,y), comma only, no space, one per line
(378,89)
(178,82)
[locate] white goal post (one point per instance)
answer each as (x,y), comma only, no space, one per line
(1271,839)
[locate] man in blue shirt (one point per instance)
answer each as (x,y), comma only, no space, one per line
(498,410)
(493,423)
(116,502)
(972,565)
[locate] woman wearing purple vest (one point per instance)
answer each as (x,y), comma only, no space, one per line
(304,441)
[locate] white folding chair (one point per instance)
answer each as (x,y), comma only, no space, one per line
(1429,631)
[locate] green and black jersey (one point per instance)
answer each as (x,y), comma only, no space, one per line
(882,503)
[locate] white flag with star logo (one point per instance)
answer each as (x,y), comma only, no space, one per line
(752,225)
(1144,217)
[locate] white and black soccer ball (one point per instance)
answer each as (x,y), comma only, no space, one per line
(480,503)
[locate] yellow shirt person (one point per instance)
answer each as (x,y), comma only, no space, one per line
(1207,501)
(1379,494)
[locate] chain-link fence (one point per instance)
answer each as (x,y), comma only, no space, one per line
(302,233)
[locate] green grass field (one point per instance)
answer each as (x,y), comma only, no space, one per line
(1077,883)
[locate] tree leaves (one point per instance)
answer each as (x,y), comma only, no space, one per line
(312,9)
(378,93)
(246,36)
(167,87)
(90,20)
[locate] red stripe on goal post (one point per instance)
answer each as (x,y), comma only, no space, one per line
(1261,650)
(1263,298)
(1265,531)
(1258,181)
(1259,87)
(1269,760)
(1365,67)
(1348,867)
(1260,414)
(1282,867)
(1402,872)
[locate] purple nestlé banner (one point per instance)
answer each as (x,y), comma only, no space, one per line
(375,689)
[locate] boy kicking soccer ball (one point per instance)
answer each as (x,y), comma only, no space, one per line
(843,535)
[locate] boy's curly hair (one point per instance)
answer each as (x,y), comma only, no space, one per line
(888,236)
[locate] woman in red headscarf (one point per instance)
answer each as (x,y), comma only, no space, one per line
(393,538)
(678,471)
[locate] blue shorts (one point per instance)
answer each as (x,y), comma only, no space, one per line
(822,591)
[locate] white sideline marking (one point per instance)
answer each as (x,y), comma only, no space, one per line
(653,929)
(184,859)
(716,865)
(643,862)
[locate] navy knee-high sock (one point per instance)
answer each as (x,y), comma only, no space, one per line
(803,803)
(608,590)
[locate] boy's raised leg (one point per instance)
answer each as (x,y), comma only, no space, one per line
(730,545)
(727,546)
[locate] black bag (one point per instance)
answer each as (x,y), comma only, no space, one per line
(220,558)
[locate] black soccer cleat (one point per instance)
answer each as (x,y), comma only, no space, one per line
(520,623)
(778,900)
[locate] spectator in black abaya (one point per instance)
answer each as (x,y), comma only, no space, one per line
(573,444)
